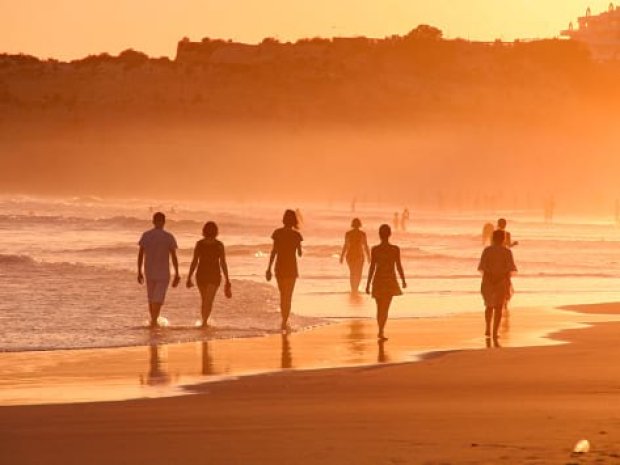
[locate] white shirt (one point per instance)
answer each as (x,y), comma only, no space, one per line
(157,245)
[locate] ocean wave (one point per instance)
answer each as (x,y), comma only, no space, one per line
(9,259)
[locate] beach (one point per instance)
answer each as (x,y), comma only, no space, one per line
(496,405)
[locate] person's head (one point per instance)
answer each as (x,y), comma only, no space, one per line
(499,237)
(384,232)
(501,223)
(290,219)
(356,223)
(210,230)
(159,219)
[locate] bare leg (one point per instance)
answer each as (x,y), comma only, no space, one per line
(208,296)
(383,307)
(154,310)
(286,287)
(488,317)
(355,275)
(497,319)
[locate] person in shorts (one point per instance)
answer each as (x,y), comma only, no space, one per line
(157,249)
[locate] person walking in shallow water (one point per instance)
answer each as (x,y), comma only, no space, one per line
(384,262)
(210,260)
(286,247)
(157,249)
(355,248)
(496,265)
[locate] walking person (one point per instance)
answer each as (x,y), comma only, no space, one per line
(157,249)
(355,249)
(384,262)
(210,262)
(497,266)
(286,248)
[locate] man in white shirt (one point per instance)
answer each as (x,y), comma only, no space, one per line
(157,247)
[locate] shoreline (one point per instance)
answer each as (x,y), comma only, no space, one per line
(170,370)
(526,405)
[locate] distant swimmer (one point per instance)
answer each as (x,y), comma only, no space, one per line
(384,262)
(549,209)
(355,249)
(487,233)
(508,242)
(157,249)
(210,260)
(497,266)
(286,247)
(353,205)
(396,221)
(404,219)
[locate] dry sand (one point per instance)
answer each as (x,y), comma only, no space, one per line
(516,405)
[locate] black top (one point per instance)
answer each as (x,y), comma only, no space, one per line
(209,253)
(286,241)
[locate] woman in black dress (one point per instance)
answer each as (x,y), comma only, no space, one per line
(384,262)
(209,258)
(286,247)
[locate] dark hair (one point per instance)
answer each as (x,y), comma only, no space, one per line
(356,223)
(385,232)
(210,230)
(290,219)
(159,217)
(501,222)
(499,237)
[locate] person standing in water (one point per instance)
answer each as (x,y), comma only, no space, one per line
(210,259)
(508,242)
(496,265)
(286,247)
(384,260)
(404,219)
(157,249)
(487,234)
(355,248)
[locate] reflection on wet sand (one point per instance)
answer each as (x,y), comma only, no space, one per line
(66,376)
(286,361)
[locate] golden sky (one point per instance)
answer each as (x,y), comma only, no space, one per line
(69,29)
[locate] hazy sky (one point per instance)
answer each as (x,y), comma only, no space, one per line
(75,28)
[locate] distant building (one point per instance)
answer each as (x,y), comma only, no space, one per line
(600,33)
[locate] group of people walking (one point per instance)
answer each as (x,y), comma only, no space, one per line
(157,248)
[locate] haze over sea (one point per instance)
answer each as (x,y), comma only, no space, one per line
(68,267)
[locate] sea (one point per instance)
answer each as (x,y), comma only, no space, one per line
(68,267)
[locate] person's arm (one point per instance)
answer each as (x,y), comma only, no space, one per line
(299,251)
(399,268)
(481,263)
(371,272)
(192,268)
(224,265)
(272,258)
(140,262)
(175,265)
(345,247)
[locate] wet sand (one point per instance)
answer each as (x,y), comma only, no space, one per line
(517,405)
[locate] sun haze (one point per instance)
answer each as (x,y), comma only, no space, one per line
(68,29)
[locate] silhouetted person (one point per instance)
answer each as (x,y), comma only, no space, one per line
(549,209)
(286,247)
(157,249)
(496,265)
(300,218)
(210,258)
(355,248)
(384,262)
(396,221)
(508,242)
(487,234)
(404,219)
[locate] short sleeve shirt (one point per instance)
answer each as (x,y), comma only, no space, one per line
(496,262)
(157,245)
(286,242)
